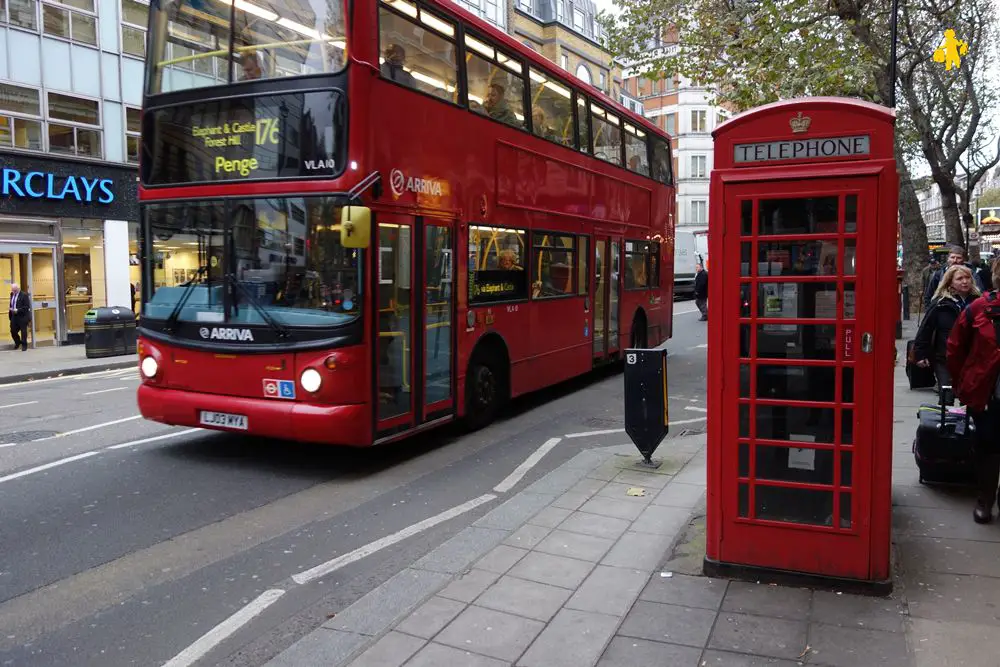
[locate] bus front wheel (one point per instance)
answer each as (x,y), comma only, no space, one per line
(484,393)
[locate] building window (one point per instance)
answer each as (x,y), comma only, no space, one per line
(71,19)
(719,119)
(671,123)
(74,125)
(669,84)
(578,19)
(20,13)
(564,61)
(583,74)
(699,212)
(20,117)
(699,166)
(699,122)
(135,17)
(132,128)
(604,81)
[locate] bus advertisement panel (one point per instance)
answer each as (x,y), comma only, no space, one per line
(346,240)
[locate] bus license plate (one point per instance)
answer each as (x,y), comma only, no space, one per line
(224,419)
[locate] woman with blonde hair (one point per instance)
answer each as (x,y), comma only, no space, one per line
(974,361)
(954,293)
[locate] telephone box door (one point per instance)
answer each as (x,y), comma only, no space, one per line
(797,442)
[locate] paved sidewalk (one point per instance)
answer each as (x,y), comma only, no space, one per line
(51,361)
(577,571)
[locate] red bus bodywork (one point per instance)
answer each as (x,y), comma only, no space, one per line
(491,173)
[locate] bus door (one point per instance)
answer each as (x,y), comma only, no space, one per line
(607,292)
(414,266)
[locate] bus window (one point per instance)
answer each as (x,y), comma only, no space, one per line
(607,135)
(583,118)
(552,261)
(415,56)
(583,261)
(496,86)
(636,265)
(636,156)
(551,113)
(496,264)
(189,42)
(661,161)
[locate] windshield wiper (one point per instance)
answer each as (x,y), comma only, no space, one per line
(278,328)
(171,321)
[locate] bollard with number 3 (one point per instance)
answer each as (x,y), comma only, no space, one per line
(646,418)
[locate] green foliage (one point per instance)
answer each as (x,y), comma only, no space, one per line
(989,199)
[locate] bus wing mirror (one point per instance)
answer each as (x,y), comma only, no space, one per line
(355,226)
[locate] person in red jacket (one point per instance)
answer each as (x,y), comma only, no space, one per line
(974,363)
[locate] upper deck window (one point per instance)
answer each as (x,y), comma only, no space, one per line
(635,150)
(607,135)
(190,41)
(414,56)
(496,83)
(551,109)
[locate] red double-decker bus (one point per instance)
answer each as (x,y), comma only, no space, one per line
(364,219)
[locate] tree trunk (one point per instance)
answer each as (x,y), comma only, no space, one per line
(913,232)
(953,230)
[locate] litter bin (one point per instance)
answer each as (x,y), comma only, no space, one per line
(109,332)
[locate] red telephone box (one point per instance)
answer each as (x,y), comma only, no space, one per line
(801,342)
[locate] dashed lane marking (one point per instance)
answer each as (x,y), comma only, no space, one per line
(47,466)
(17,405)
(587,434)
(133,443)
(512,479)
(104,391)
(694,408)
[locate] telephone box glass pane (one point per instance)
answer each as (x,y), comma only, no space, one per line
(846,472)
(744,340)
(796,383)
(744,420)
(797,258)
(795,341)
(745,300)
(746,252)
(746,217)
(847,385)
(847,427)
(802,300)
(848,301)
(851,214)
(811,215)
(850,252)
(744,460)
(744,381)
(792,464)
(811,506)
(779,422)
(846,515)
(743,500)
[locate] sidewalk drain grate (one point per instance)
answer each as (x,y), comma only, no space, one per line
(691,431)
(26,436)
(603,422)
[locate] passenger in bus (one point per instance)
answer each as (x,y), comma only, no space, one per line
(392,68)
(496,105)
(507,261)
(250,62)
(541,126)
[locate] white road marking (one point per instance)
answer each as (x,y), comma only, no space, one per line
(694,408)
(585,434)
(89,428)
(508,483)
(219,633)
(335,564)
(699,346)
(8,444)
(32,471)
(126,379)
(687,421)
(154,439)
(81,376)
(104,391)
(17,405)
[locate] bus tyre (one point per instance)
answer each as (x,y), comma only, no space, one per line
(640,336)
(484,394)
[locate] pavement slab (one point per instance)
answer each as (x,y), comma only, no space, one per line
(438,655)
(669,623)
(524,598)
(767,600)
(491,633)
(686,591)
(760,635)
(431,617)
(392,650)
(838,646)
(572,639)
(609,590)
(633,652)
(555,570)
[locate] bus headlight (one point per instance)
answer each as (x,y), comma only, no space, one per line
(149,367)
(311,380)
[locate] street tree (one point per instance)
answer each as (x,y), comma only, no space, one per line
(756,52)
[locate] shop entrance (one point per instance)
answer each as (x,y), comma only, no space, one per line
(34,269)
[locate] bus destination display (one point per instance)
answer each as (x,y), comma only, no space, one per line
(292,135)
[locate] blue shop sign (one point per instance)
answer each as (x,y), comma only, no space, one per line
(46,185)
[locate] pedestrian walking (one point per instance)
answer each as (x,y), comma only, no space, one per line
(956,255)
(20,317)
(701,290)
(974,363)
(955,292)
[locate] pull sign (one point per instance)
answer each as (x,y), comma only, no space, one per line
(848,343)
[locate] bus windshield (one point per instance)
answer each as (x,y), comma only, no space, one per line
(200,43)
(251,261)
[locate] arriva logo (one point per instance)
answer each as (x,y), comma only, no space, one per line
(226,333)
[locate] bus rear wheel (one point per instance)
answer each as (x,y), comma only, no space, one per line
(484,394)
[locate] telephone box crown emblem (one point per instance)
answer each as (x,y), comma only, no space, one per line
(800,123)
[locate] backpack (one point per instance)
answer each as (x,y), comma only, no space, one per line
(992,311)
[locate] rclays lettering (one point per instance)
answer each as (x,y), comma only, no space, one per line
(803,148)
(44,185)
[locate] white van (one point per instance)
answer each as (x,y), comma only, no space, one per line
(687,253)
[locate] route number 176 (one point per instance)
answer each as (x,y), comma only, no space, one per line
(267,131)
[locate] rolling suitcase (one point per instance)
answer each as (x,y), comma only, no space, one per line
(920,378)
(943,445)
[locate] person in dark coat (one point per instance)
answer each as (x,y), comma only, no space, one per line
(701,290)
(955,292)
(974,362)
(20,316)
(956,255)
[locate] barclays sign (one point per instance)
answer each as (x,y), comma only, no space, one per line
(46,185)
